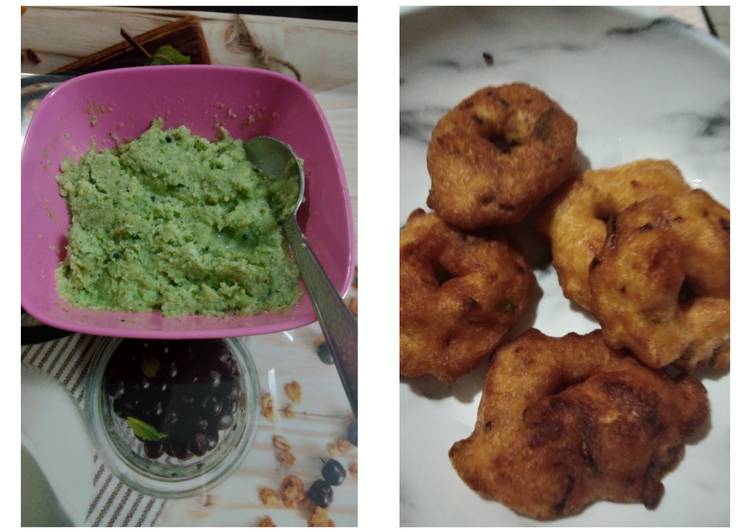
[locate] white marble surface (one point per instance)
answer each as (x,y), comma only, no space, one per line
(639,86)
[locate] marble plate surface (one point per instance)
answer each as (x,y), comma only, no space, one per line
(639,85)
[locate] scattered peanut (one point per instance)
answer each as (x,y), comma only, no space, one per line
(267,407)
(344,446)
(268,497)
(293,391)
(285,458)
(292,491)
(266,521)
(320,517)
(281,443)
(333,449)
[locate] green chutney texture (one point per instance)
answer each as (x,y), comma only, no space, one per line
(175,223)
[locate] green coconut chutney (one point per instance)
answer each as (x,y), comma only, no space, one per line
(173,222)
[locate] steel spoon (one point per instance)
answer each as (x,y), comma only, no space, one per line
(339,326)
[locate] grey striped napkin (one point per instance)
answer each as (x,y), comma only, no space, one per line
(114,503)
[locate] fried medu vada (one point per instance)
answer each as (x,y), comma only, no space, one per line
(564,422)
(661,283)
(575,220)
(459,295)
(497,154)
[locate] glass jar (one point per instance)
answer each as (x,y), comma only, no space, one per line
(168,476)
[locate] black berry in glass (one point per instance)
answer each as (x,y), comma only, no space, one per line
(179,449)
(153,449)
(212,439)
(115,388)
(199,444)
(225,422)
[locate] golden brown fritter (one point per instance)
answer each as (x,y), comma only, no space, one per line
(497,154)
(459,295)
(661,284)
(575,220)
(564,422)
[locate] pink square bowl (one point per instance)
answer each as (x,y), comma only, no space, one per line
(112,106)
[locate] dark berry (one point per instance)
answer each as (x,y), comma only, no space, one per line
(144,385)
(215,379)
(194,394)
(129,406)
(211,406)
(321,493)
(229,406)
(132,390)
(224,358)
(227,365)
(202,424)
(120,409)
(115,388)
(228,390)
(154,410)
(324,353)
(171,370)
(212,439)
(333,472)
(179,449)
(352,433)
(225,422)
(170,421)
(122,364)
(153,449)
(199,444)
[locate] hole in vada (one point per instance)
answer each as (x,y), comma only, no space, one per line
(562,384)
(502,143)
(487,198)
(687,294)
(568,488)
(610,225)
(604,213)
(441,274)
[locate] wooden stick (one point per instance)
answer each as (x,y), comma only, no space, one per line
(135,44)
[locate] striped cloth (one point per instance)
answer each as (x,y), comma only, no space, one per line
(114,503)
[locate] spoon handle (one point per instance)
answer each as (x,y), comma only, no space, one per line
(338,324)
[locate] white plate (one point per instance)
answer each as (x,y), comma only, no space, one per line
(639,86)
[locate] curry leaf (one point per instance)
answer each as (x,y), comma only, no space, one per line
(145,431)
(167,55)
